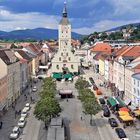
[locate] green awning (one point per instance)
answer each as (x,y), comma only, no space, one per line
(67,75)
(57,75)
(112,101)
(121,102)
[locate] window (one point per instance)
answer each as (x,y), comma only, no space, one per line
(72,67)
(64,65)
(61,54)
(134,90)
(69,58)
(138,93)
(57,66)
(59,58)
(134,81)
(67,54)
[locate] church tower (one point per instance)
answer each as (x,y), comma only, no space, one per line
(64,60)
(64,30)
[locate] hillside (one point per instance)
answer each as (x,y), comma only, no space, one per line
(38,33)
(123,26)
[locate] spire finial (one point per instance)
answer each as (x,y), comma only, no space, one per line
(65,9)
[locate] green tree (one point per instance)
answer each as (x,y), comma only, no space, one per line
(13,46)
(103,36)
(91,107)
(46,109)
(81,83)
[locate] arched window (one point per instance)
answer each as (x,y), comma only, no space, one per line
(72,67)
(57,66)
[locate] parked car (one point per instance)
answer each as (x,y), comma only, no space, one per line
(91,80)
(15,133)
(120,132)
(24,112)
(27,106)
(106,111)
(102,101)
(22,122)
(34,89)
(113,122)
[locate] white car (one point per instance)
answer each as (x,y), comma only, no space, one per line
(24,112)
(125,139)
(27,106)
(15,133)
(22,122)
(34,89)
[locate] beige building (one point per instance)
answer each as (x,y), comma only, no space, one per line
(64,60)
(10,64)
(3,91)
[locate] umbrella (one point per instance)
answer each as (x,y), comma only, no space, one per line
(124,109)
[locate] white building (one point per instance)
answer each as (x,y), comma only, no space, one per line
(136,89)
(64,60)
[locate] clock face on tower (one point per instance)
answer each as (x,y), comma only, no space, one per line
(64,29)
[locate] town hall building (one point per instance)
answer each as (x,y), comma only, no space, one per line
(64,60)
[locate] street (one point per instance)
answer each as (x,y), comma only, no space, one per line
(10,119)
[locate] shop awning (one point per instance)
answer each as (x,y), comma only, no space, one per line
(127,101)
(123,113)
(122,104)
(112,101)
(124,109)
(57,75)
(67,75)
(126,118)
(137,112)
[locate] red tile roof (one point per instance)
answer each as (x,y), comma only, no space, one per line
(103,47)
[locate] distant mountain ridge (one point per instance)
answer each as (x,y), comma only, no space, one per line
(37,33)
(120,27)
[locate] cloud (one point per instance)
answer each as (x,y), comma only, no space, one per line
(104,25)
(10,21)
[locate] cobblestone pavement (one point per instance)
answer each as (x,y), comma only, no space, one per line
(81,129)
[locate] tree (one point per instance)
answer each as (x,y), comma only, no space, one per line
(81,83)
(13,46)
(91,107)
(47,108)
(85,93)
(103,36)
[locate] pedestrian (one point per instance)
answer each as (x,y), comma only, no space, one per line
(31,99)
(1,123)
(81,118)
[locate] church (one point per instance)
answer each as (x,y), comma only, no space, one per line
(64,60)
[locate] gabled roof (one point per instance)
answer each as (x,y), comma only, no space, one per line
(24,55)
(137,66)
(133,52)
(8,56)
(136,76)
(101,47)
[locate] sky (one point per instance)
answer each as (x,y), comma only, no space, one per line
(86,16)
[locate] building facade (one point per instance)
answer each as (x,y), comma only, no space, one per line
(64,60)
(136,89)
(11,65)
